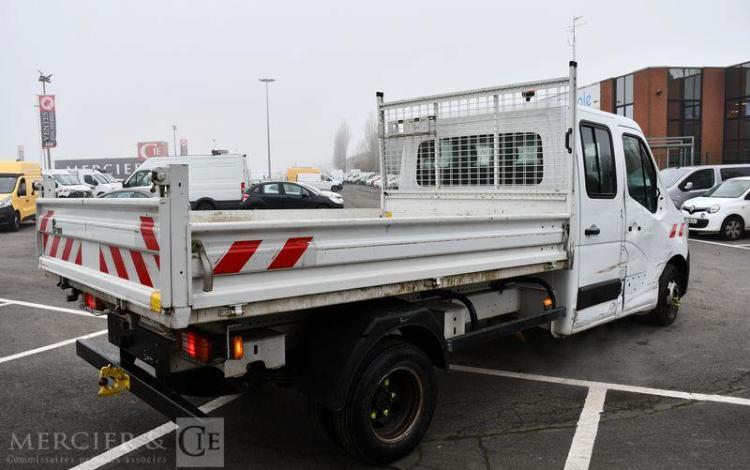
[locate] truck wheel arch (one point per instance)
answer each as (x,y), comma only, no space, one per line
(683,266)
(332,361)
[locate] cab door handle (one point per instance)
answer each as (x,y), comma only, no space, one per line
(593,230)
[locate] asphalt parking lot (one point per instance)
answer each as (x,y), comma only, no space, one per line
(624,395)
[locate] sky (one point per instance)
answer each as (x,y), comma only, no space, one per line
(124,72)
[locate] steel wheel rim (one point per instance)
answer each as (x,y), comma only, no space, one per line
(673,296)
(396,404)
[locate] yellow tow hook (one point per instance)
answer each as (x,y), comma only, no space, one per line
(112,380)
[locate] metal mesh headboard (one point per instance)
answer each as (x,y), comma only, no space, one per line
(505,140)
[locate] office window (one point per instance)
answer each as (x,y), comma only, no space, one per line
(598,162)
(684,108)
(737,114)
(624,96)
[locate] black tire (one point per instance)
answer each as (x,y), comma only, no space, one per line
(322,206)
(395,376)
(206,206)
(670,286)
(732,228)
(322,419)
(15,224)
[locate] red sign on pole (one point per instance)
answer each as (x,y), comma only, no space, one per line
(152,149)
(183,147)
(49,123)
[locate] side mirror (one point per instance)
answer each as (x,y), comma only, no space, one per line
(688,186)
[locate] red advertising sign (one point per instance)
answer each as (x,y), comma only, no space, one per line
(183,147)
(152,149)
(49,122)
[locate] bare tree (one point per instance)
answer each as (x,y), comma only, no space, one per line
(340,145)
(368,150)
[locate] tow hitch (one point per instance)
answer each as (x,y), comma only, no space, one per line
(112,380)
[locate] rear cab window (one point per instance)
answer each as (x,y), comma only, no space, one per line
(729,173)
(598,161)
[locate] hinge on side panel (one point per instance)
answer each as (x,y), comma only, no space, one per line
(232,311)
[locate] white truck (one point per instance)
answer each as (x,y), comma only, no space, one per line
(514,210)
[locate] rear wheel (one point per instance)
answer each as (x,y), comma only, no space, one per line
(322,206)
(390,404)
(206,206)
(15,224)
(670,291)
(732,228)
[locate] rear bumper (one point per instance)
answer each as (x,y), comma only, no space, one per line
(142,384)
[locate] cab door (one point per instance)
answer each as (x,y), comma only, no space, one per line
(647,233)
(22,199)
(599,254)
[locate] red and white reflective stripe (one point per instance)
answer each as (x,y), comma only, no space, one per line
(149,236)
(262,255)
(130,265)
(64,248)
(44,221)
(674,232)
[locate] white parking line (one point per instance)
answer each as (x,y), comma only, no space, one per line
(740,247)
(579,455)
(150,436)
(611,386)
(5,303)
(50,307)
(49,346)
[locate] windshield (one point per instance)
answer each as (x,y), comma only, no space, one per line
(65,179)
(669,176)
(729,189)
(108,177)
(7,183)
(101,179)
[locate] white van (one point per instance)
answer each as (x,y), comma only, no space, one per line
(98,183)
(216,181)
(320,181)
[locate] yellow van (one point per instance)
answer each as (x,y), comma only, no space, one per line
(292,172)
(17,195)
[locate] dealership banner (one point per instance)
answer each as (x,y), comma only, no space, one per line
(147,150)
(120,168)
(49,124)
(183,147)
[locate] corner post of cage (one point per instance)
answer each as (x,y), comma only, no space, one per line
(496,141)
(436,146)
(572,117)
(381,149)
(174,245)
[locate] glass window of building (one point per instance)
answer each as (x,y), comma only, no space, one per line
(684,109)
(624,96)
(737,114)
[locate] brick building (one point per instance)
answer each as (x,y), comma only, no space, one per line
(709,104)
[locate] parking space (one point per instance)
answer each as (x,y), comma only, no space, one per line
(522,402)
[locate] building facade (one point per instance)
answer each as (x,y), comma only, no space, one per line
(691,115)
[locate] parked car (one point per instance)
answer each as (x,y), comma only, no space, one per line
(216,181)
(288,195)
(725,209)
(98,183)
(687,182)
(68,185)
(129,193)
(17,194)
(320,181)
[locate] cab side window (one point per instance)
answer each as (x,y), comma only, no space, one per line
(701,179)
(598,162)
(22,187)
(642,183)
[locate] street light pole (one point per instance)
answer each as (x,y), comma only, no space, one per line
(174,139)
(268,123)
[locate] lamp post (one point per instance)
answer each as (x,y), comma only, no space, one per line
(174,139)
(268,123)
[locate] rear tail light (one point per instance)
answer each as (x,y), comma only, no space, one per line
(245,196)
(91,303)
(242,187)
(196,346)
